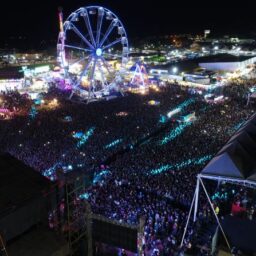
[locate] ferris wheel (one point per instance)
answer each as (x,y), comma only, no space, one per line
(93,51)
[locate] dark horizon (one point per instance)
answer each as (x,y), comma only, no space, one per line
(141,19)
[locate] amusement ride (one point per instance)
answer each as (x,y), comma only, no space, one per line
(92,51)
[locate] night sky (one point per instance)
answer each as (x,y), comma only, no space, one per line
(141,18)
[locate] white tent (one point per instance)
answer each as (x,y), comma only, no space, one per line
(234,163)
(236,160)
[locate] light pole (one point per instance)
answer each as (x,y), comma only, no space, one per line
(174,70)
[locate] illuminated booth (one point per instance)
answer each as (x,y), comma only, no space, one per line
(10,79)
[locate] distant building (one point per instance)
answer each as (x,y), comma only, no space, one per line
(226,62)
(10,79)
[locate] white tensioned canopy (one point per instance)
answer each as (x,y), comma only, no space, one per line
(236,161)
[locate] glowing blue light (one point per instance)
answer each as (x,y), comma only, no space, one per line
(185,103)
(162,119)
(33,112)
(161,169)
(85,137)
(236,127)
(84,196)
(113,143)
(68,118)
(37,101)
(217,195)
(194,161)
(178,109)
(178,166)
(174,133)
(77,135)
(98,177)
(50,173)
(253,89)
(98,52)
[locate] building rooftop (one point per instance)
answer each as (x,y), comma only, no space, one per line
(19,184)
(11,73)
(223,58)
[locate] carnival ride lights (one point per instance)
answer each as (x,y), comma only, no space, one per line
(140,76)
(91,37)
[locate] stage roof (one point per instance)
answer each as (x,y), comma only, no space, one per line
(236,160)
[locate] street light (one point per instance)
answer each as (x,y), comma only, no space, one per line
(174,70)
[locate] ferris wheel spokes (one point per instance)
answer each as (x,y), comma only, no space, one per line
(91,88)
(89,34)
(105,64)
(93,70)
(109,30)
(113,55)
(86,69)
(77,48)
(85,15)
(104,82)
(78,61)
(99,24)
(112,44)
(76,30)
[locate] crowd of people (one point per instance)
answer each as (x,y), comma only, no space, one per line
(131,190)
(151,179)
(49,135)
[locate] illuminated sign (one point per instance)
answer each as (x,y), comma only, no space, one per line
(41,69)
(29,72)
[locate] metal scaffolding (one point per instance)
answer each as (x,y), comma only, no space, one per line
(78,217)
